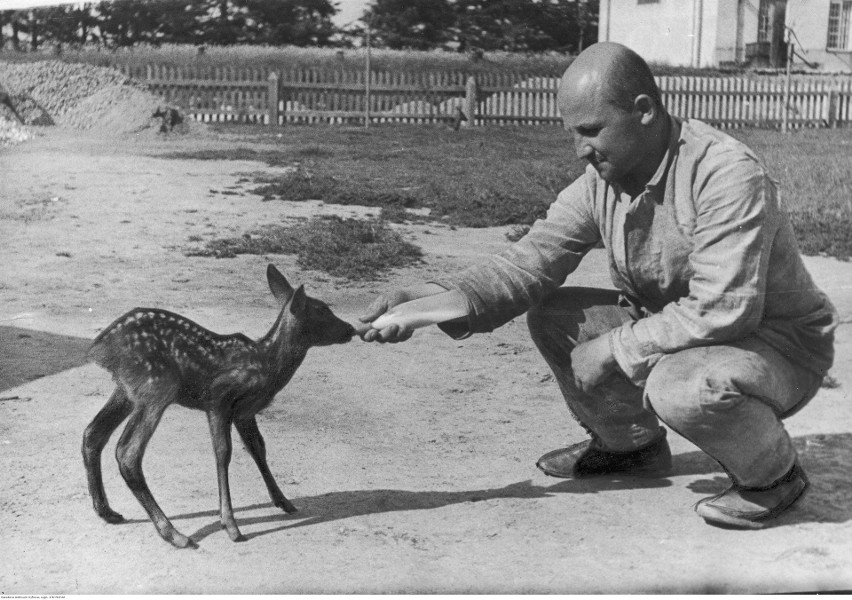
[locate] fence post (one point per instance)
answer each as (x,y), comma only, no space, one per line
(273,98)
(470,103)
(832,108)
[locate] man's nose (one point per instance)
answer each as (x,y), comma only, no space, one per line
(583,149)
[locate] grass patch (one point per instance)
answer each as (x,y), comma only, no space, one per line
(491,176)
(349,248)
(815,183)
(823,231)
(469,178)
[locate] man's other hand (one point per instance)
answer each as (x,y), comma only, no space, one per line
(592,362)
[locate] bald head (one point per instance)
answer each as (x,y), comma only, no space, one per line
(611,106)
(610,72)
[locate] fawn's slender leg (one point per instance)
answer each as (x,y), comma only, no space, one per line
(131,447)
(94,439)
(250,434)
(220,431)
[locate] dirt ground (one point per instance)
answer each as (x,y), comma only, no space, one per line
(412,465)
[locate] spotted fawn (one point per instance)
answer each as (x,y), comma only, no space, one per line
(158,358)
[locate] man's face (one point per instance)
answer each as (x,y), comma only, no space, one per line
(609,138)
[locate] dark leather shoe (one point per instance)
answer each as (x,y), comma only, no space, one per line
(588,459)
(751,508)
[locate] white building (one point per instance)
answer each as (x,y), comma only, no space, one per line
(712,33)
(823,33)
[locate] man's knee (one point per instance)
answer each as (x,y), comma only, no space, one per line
(579,313)
(685,387)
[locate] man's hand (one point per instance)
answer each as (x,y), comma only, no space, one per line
(592,362)
(386,301)
(380,306)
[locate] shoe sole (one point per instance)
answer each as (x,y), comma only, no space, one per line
(639,473)
(554,474)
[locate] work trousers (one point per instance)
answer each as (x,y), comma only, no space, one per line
(727,399)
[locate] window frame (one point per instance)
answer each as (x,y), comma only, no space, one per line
(839,26)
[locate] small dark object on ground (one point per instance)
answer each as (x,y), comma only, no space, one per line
(169,116)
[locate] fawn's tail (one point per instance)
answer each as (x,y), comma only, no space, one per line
(99,351)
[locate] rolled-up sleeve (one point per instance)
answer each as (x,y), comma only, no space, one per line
(509,283)
(736,222)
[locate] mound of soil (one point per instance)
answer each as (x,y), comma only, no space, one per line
(83,97)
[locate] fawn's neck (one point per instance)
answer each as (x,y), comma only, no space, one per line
(283,355)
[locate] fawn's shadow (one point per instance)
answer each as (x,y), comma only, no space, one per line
(27,354)
(825,457)
(335,506)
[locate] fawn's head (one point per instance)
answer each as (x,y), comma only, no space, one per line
(305,320)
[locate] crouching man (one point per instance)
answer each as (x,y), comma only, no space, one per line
(716,328)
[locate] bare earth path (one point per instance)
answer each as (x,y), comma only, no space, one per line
(412,465)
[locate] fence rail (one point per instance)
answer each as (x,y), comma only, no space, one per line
(325,96)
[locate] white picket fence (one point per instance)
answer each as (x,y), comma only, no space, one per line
(721,101)
(326,96)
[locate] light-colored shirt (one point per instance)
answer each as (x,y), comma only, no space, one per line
(705,249)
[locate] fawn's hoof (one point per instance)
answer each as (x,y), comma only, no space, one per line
(178,540)
(110,516)
(234,533)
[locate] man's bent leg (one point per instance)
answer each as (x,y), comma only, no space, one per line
(729,400)
(614,412)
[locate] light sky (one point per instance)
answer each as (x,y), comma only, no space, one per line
(349,10)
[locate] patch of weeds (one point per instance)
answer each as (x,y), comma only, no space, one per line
(305,183)
(314,152)
(299,184)
(462,205)
(490,207)
(349,248)
(823,231)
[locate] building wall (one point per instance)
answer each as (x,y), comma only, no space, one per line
(736,27)
(809,20)
(725,48)
(673,32)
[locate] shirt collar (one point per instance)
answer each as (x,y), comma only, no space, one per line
(659,177)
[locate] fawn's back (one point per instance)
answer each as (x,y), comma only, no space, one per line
(151,351)
(154,345)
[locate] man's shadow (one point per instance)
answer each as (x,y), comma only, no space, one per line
(825,458)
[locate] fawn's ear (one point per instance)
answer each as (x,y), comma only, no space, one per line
(281,289)
(299,301)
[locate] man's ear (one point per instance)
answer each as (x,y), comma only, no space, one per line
(647,108)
